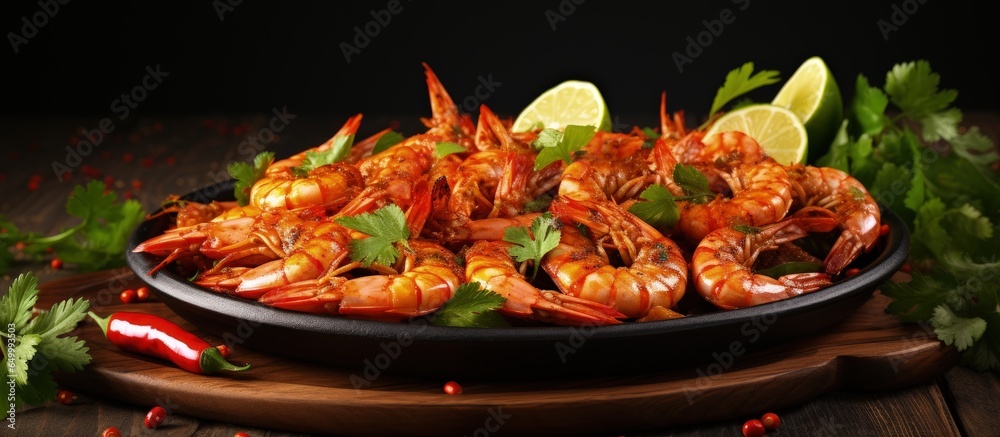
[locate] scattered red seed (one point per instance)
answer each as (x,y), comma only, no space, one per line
(74,141)
(155,417)
(34,185)
(142,293)
(147,162)
(109,181)
(771,421)
(241,434)
(105,155)
(20,245)
(127,157)
(128,296)
(111,432)
(56,263)
(128,195)
(65,397)
(136,184)
(36,177)
(452,388)
(67,176)
(157,127)
(883,230)
(224,350)
(753,428)
(238,131)
(851,272)
(134,138)
(171,160)
(208,122)
(48,249)
(906,268)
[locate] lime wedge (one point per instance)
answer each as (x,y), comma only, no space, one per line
(571,102)
(813,95)
(778,130)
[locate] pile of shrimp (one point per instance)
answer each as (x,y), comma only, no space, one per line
(286,249)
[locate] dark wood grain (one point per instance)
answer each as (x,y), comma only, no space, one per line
(203,145)
(870,350)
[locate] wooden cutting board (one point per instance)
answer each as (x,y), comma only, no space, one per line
(869,350)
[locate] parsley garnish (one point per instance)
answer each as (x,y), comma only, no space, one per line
(527,248)
(248,174)
(950,201)
(386,227)
(741,81)
(38,342)
(471,307)
(659,209)
(386,141)
(337,152)
(538,204)
(555,145)
(693,182)
(447,148)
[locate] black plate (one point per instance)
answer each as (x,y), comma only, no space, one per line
(373,348)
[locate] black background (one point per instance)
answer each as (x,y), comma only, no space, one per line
(261,56)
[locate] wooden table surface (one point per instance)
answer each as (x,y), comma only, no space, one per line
(175,154)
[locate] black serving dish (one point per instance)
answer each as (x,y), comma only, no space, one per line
(417,348)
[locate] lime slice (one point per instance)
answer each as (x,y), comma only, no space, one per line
(571,102)
(778,130)
(813,95)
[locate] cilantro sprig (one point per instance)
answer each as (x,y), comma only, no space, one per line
(471,307)
(446,148)
(39,344)
(386,228)
(247,174)
(903,142)
(337,152)
(554,145)
(97,243)
(659,206)
(386,141)
(532,244)
(739,82)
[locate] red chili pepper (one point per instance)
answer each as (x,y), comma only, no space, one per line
(158,337)
(111,432)
(771,421)
(452,388)
(65,397)
(155,417)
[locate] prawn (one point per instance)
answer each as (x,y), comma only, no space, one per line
(429,279)
(490,264)
(722,264)
(857,212)
(656,275)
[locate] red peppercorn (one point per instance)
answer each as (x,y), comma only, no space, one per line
(906,268)
(241,434)
(33,185)
(67,176)
(155,417)
(224,350)
(753,428)
(142,294)
(147,162)
(111,432)
(771,421)
(109,181)
(136,184)
(128,296)
(65,397)
(128,195)
(851,272)
(452,388)
(19,245)
(127,157)
(56,263)
(171,160)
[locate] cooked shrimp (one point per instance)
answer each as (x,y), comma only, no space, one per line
(190,213)
(329,186)
(722,264)
(428,280)
(656,274)
(285,165)
(848,200)
(490,264)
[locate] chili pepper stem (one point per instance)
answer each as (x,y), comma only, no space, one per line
(212,361)
(101,321)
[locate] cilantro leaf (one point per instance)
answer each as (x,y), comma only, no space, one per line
(985,353)
(914,301)
(471,307)
(37,344)
(446,148)
(548,137)
(338,151)
(569,144)
(527,248)
(386,227)
(386,141)
(868,107)
(974,147)
(954,330)
(789,268)
(741,81)
(248,174)
(659,209)
(693,182)
(538,204)
(913,87)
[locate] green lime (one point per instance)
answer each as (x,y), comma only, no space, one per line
(571,102)
(778,130)
(813,95)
